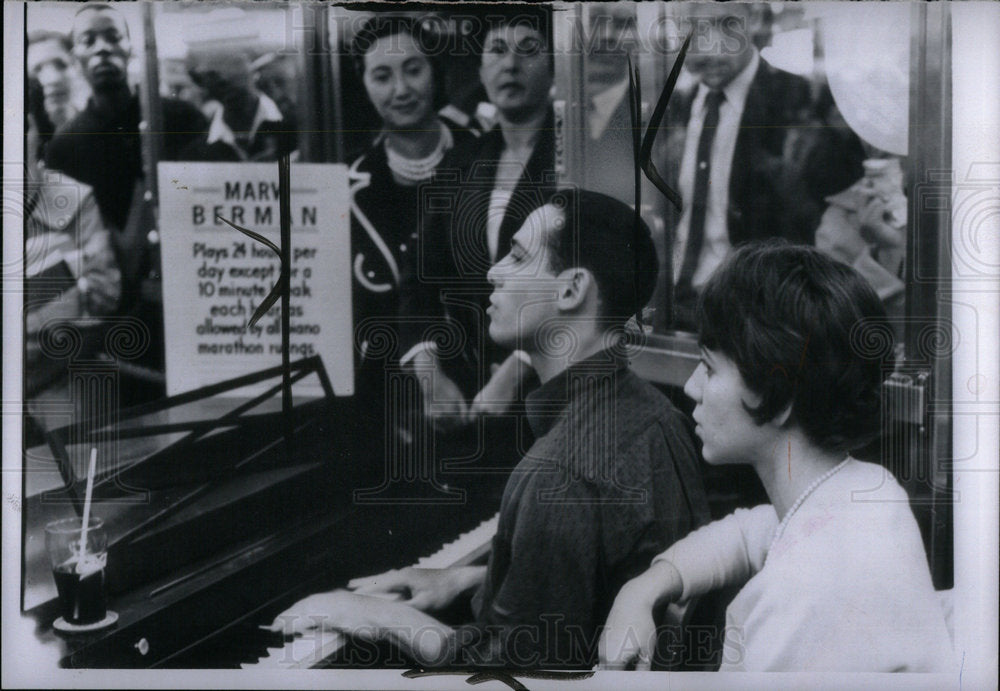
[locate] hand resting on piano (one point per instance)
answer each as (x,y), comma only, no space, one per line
(376,613)
(425,589)
(371,618)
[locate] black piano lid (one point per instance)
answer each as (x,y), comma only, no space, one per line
(199,454)
(215,558)
(128,440)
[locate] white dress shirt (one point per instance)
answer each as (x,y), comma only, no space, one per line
(715,246)
(603,106)
(219,131)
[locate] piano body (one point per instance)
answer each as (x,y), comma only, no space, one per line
(216,526)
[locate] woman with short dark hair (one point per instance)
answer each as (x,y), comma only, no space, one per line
(794,349)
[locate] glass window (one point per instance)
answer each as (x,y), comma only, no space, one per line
(808,141)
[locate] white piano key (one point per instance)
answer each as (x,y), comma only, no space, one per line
(302,652)
(464,549)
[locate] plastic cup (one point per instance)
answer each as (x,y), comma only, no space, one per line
(79,573)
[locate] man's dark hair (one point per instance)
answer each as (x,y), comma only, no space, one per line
(382,25)
(599,234)
(476,20)
(44,35)
(805,330)
(482,19)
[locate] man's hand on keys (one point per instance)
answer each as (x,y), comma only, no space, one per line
(423,589)
(336,610)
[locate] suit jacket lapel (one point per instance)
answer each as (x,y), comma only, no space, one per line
(671,140)
(748,141)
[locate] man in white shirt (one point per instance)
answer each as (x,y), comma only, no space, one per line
(716,238)
(246,125)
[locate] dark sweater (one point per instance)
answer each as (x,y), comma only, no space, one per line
(611,481)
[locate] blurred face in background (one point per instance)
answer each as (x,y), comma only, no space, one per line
(721,46)
(225,77)
(612,36)
(101,44)
(278,80)
(516,71)
(399,81)
(56,70)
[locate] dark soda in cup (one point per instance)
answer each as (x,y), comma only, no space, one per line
(81,590)
(78,569)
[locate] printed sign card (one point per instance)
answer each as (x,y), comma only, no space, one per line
(215,277)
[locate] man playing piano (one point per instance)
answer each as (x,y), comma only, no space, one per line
(611,480)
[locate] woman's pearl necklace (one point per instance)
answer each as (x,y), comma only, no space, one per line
(798,502)
(419,169)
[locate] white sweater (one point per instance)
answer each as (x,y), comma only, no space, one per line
(845,587)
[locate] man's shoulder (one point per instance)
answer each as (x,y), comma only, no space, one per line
(637,417)
(63,152)
(84,121)
(782,87)
(647,418)
(638,397)
(179,111)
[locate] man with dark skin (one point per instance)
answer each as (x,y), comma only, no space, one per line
(101,145)
(248,125)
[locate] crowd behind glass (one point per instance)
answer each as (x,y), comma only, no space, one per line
(754,149)
(424,100)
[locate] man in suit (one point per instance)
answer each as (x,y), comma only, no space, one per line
(725,149)
(609,155)
(468,220)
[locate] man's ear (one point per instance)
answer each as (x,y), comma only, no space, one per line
(576,284)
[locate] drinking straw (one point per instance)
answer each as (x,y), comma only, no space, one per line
(86,503)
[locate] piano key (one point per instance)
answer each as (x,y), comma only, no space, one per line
(311,649)
(465,549)
(301,652)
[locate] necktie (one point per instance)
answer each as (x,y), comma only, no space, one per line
(699,205)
